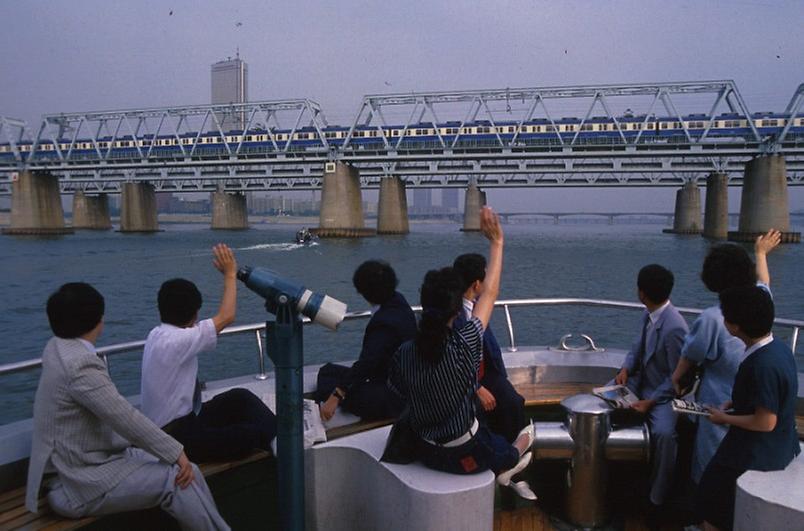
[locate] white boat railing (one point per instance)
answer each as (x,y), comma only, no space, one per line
(258,329)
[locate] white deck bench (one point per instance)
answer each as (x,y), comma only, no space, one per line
(771,500)
(349,488)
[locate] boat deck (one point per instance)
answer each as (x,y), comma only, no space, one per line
(535,519)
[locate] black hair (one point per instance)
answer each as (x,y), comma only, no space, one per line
(750,308)
(74,309)
(471,267)
(726,266)
(656,282)
(179,301)
(375,280)
(441,300)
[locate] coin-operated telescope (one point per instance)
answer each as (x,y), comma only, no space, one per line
(321,309)
(288,301)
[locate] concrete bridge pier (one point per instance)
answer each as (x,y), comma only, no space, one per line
(392,211)
(341,203)
(687,218)
(475,200)
(229,211)
(716,213)
(764,204)
(36,205)
(91,212)
(138,208)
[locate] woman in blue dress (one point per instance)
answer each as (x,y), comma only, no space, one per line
(710,346)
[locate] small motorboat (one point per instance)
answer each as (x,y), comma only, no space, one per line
(304,236)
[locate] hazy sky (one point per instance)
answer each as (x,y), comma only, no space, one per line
(102,54)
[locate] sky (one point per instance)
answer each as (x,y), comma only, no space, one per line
(83,55)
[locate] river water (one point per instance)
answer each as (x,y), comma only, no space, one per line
(565,260)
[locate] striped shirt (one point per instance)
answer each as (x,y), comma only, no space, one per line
(441,394)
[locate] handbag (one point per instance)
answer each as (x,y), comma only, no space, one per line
(400,448)
(691,382)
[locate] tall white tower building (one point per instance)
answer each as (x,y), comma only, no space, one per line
(230,85)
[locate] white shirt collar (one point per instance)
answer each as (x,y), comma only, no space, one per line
(655,314)
(758,345)
(87,344)
(468,306)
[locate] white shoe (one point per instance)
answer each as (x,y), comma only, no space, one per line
(530,431)
(523,490)
(504,478)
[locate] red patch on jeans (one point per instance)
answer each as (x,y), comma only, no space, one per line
(469,464)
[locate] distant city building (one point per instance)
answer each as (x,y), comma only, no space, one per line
(273,205)
(449,198)
(230,85)
(422,200)
(163,201)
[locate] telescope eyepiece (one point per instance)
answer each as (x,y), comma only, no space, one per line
(243,273)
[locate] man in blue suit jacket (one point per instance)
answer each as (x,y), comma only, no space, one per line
(648,368)
(503,407)
(361,389)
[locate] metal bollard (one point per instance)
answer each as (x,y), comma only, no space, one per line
(587,440)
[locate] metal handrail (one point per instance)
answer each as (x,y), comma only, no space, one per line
(259,328)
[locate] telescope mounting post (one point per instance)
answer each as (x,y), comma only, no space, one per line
(285,348)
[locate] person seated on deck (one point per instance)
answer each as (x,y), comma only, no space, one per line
(710,347)
(361,389)
(436,373)
(647,369)
(502,406)
(85,432)
(233,423)
(762,426)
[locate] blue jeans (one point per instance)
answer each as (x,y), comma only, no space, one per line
(486,451)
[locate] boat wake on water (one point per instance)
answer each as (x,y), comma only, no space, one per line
(277,246)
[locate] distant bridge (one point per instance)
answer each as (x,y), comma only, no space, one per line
(487,142)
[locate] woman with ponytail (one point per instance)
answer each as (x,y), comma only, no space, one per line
(436,374)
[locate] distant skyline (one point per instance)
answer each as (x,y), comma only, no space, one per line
(62,56)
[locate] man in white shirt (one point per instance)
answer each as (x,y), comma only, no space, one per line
(233,423)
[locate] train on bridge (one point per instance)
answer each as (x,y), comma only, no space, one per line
(425,135)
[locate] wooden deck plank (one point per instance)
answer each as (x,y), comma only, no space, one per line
(357,427)
(11,494)
(544,394)
(522,519)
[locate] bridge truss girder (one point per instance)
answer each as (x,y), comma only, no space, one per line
(480,103)
(13,131)
(176,122)
(492,172)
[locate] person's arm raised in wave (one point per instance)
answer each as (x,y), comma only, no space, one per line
(763,245)
(492,230)
(225,262)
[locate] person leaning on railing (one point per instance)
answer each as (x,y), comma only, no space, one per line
(436,374)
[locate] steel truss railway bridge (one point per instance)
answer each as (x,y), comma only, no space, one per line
(619,160)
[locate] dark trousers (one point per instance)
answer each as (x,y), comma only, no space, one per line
(508,418)
(229,427)
(714,501)
(369,400)
(486,451)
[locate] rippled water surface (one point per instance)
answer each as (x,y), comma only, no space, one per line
(583,260)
